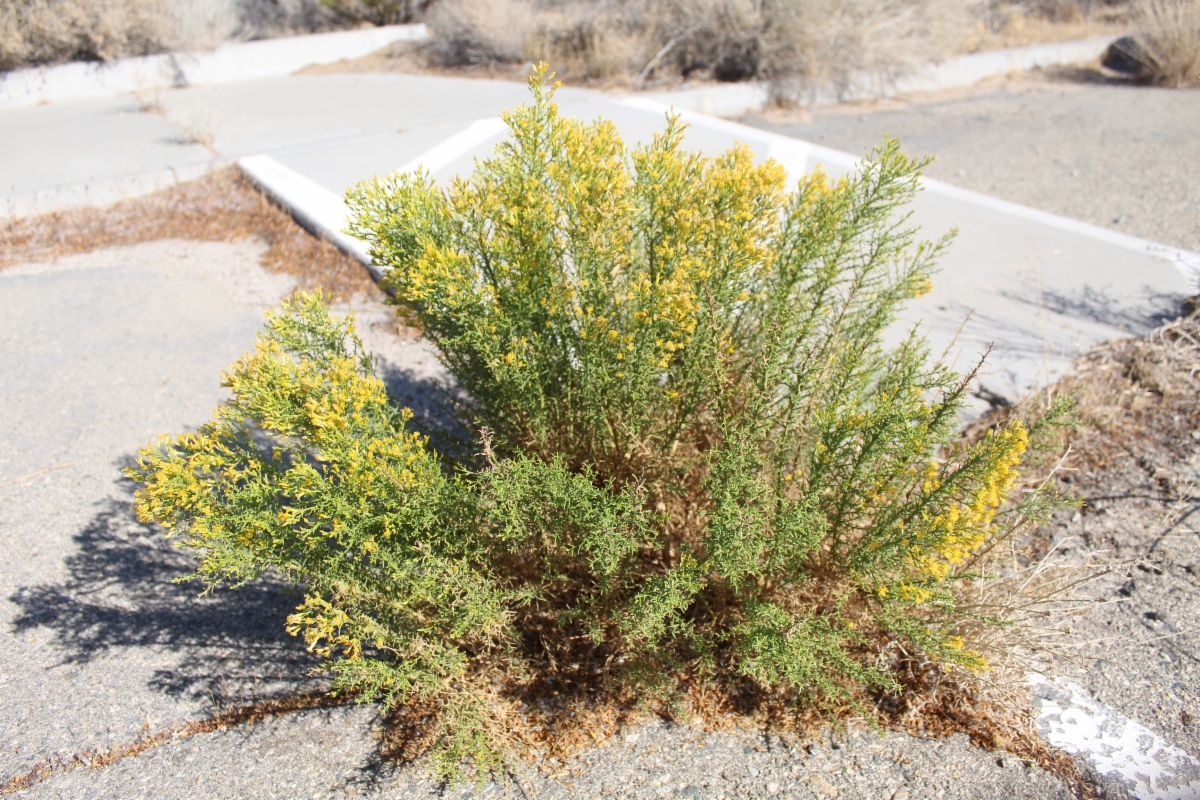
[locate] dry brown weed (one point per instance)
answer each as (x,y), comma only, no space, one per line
(221,207)
(1168,41)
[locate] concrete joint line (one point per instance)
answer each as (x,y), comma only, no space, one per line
(1114,746)
(325,214)
(228,63)
(793,155)
(220,720)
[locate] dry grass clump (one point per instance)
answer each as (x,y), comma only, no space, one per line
(1142,390)
(1166,49)
(34,32)
(1020,23)
(46,31)
(221,207)
(794,44)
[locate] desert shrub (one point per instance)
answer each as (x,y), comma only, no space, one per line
(36,32)
(798,45)
(588,40)
(377,12)
(42,31)
(804,45)
(487,32)
(696,454)
(1166,48)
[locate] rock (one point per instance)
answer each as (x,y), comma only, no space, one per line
(1127,57)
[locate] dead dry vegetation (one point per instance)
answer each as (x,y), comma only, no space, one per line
(1165,47)
(34,32)
(796,46)
(221,207)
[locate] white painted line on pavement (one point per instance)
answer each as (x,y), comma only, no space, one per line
(316,208)
(228,63)
(1115,746)
(460,143)
(789,150)
(1187,262)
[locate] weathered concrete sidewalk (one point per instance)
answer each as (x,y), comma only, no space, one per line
(1037,288)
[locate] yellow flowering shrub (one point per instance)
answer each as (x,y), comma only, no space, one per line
(698,455)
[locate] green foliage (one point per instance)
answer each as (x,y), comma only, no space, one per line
(698,454)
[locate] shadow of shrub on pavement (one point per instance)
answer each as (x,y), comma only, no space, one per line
(120,593)
(1138,315)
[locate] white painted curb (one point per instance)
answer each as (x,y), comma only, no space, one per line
(1117,747)
(325,214)
(226,64)
(445,153)
(793,155)
(316,208)
(732,99)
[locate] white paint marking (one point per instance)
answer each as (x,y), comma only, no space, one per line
(453,148)
(315,207)
(1186,261)
(1115,746)
(325,213)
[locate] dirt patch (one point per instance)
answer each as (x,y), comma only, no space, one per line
(221,207)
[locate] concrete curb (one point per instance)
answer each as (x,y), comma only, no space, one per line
(319,210)
(226,64)
(732,99)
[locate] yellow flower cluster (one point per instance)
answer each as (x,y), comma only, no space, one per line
(321,623)
(966,527)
